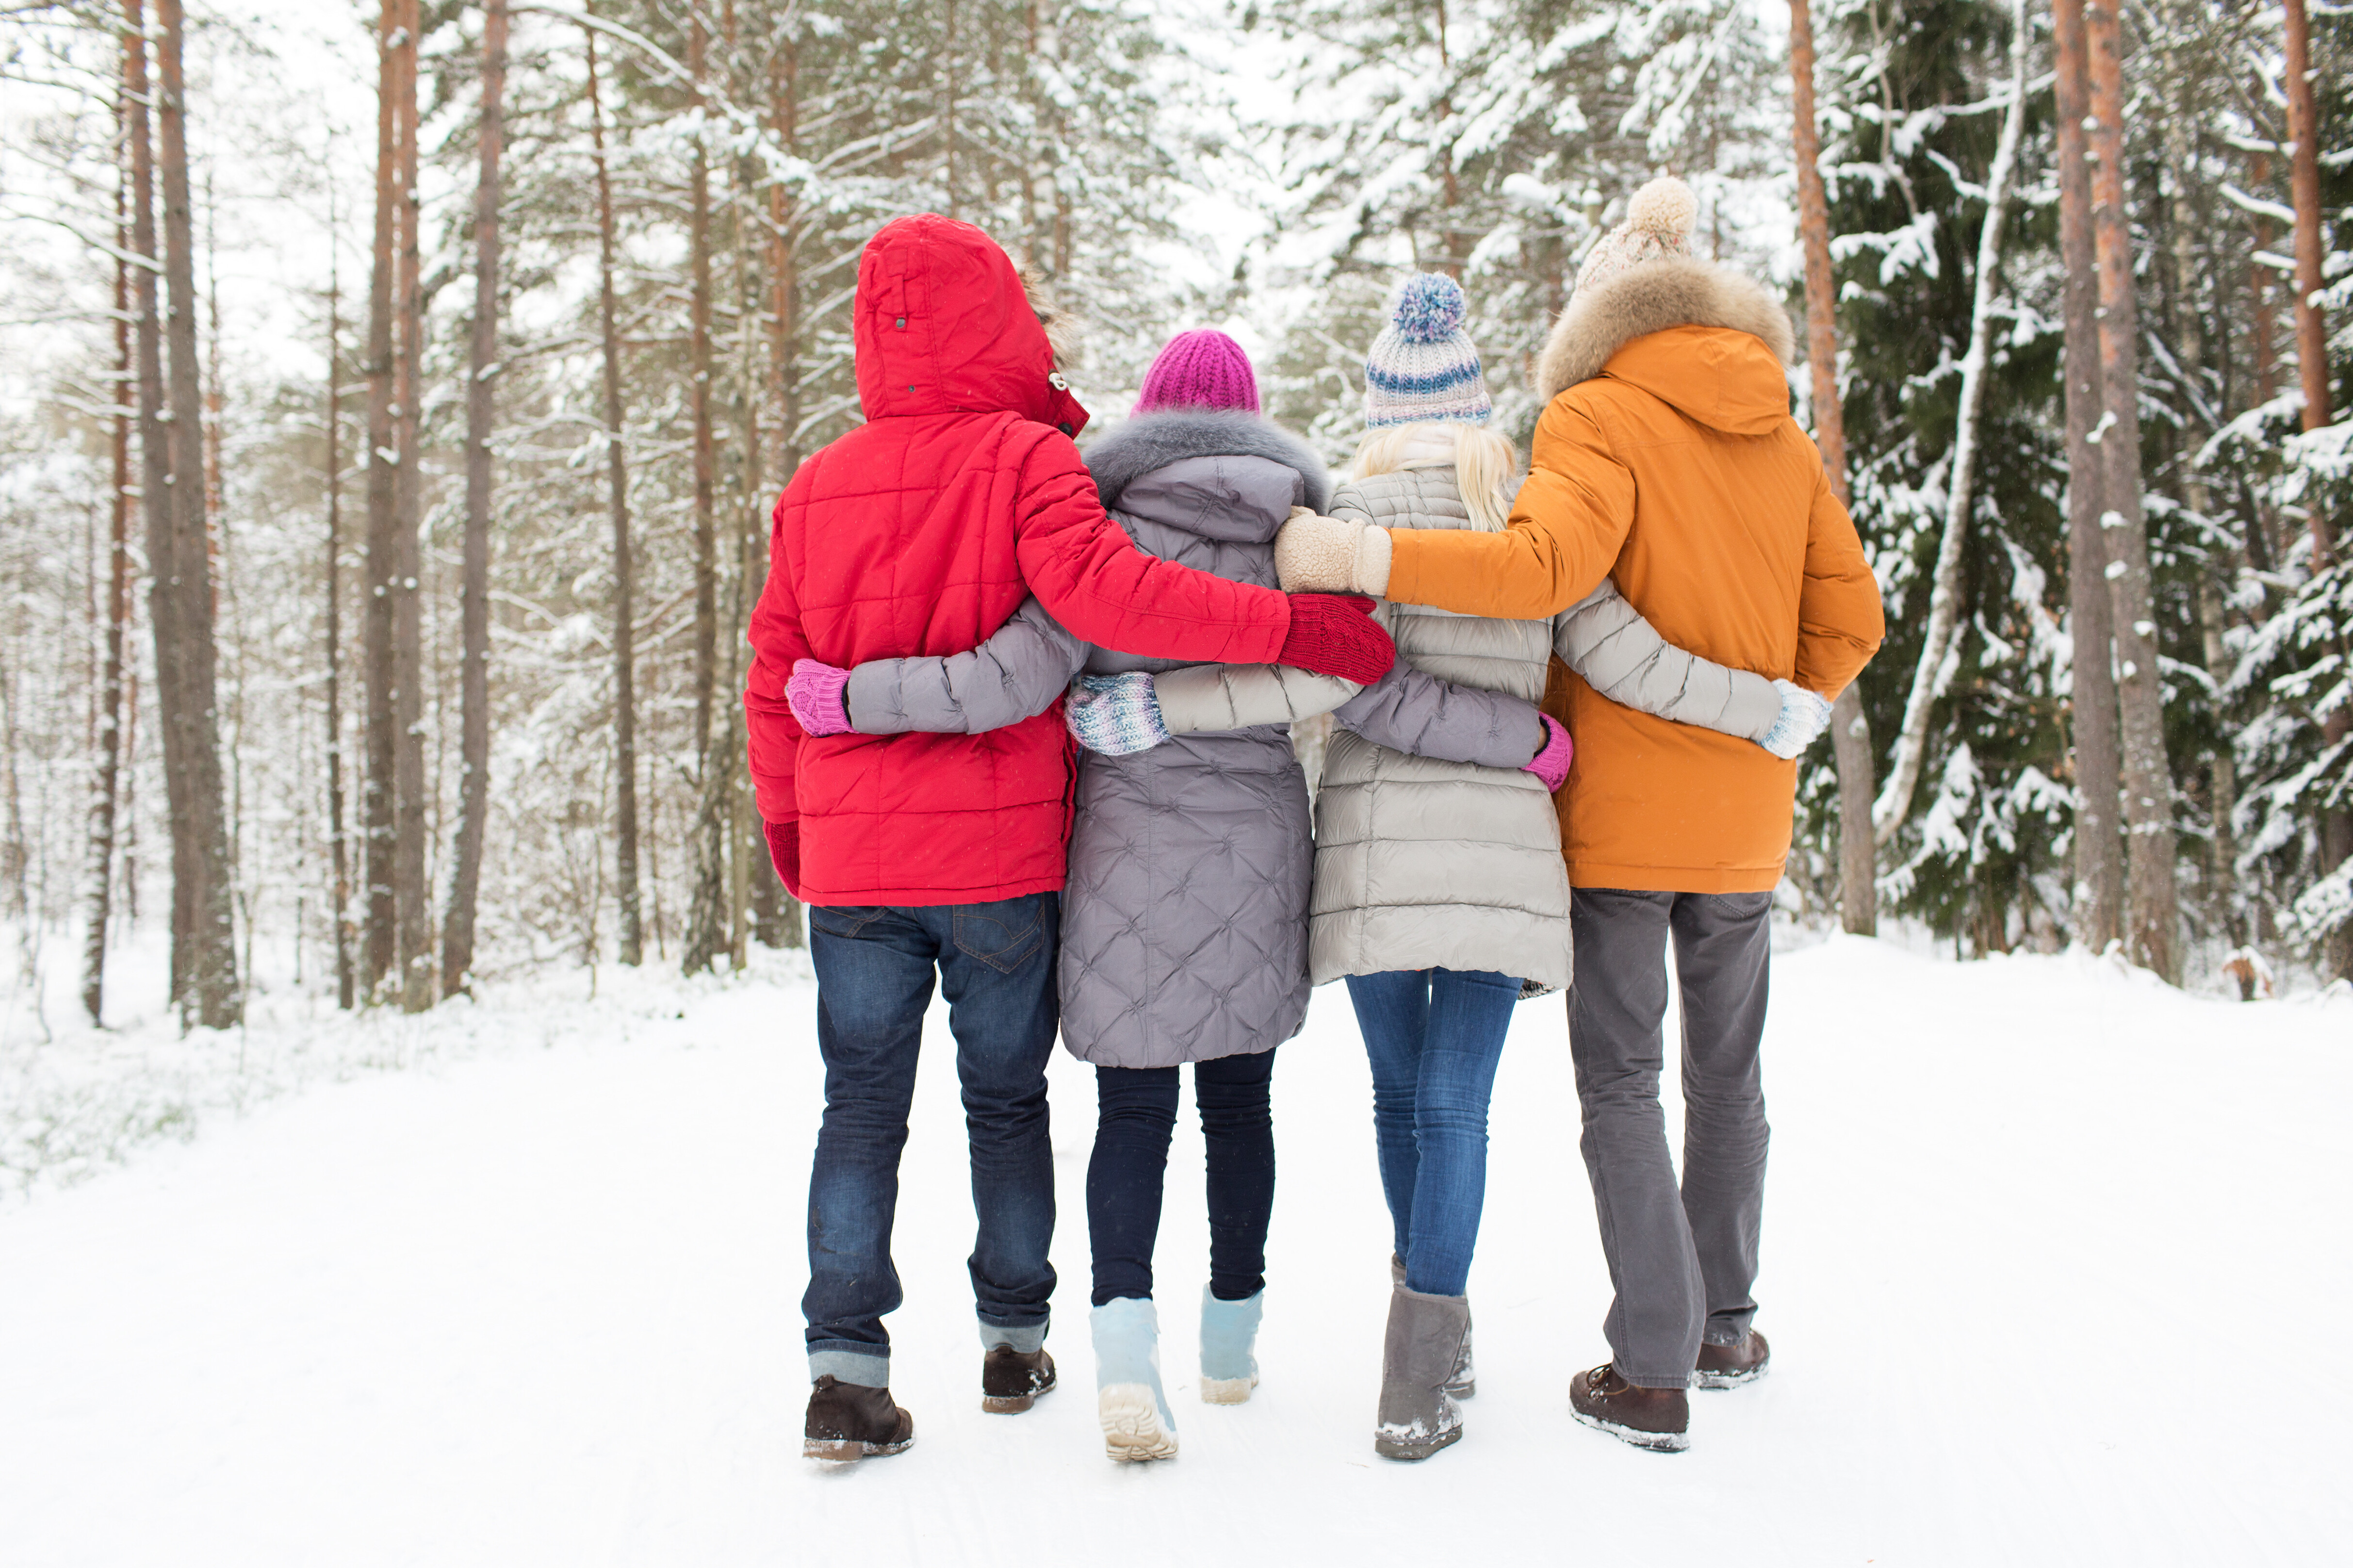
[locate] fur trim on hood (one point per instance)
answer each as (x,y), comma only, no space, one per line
(1149,442)
(1667,292)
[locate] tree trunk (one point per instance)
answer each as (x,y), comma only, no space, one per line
(213,977)
(1937,648)
(98,870)
(2312,367)
(1850,729)
(411,899)
(2099,892)
(378,790)
(947,106)
(474,678)
(742,828)
(156,498)
(338,851)
(2303,188)
(776,912)
(624,670)
(2189,352)
(706,925)
(2150,936)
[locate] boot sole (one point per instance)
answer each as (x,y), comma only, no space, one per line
(1634,1438)
(1131,1425)
(1013,1403)
(1729,1379)
(843,1450)
(1227,1390)
(1411,1451)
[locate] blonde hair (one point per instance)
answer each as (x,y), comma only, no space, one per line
(1483,465)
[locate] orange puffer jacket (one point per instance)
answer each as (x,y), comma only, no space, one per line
(1668,460)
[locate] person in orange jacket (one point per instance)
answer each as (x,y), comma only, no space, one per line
(1666,459)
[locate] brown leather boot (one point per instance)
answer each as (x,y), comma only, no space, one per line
(1729,1367)
(853,1421)
(1658,1419)
(1011,1380)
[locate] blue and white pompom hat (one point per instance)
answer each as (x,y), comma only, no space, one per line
(1423,366)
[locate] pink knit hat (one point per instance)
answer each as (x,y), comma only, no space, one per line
(1199,369)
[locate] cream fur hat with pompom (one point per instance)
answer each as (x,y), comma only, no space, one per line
(1658,225)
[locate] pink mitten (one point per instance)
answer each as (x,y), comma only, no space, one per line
(1551,764)
(820,696)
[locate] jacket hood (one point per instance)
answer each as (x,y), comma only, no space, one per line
(943,325)
(1152,441)
(1701,337)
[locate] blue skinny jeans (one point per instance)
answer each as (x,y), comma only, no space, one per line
(1434,1037)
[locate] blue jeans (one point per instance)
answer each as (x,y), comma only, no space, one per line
(1434,1037)
(875,964)
(1136,1111)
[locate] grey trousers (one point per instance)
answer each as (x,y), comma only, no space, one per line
(1681,1263)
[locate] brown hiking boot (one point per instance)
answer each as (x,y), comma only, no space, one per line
(1729,1367)
(1654,1418)
(851,1421)
(1011,1380)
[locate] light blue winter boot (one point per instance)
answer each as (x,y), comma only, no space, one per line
(1228,1334)
(1137,1422)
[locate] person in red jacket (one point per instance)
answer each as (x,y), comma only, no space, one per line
(919,534)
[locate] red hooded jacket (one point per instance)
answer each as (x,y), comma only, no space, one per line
(920,532)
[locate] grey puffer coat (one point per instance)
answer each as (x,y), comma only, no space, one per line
(1423,862)
(1184,927)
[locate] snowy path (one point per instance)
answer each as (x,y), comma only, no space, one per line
(2028,1224)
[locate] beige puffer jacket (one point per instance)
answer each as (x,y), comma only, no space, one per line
(1423,864)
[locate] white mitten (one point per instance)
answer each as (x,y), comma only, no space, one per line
(1804,716)
(1315,554)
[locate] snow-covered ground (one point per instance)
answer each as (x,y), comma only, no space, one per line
(2053,1259)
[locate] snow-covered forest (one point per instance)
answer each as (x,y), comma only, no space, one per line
(392,396)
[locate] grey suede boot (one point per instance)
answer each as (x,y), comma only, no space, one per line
(1418,1416)
(1465,1381)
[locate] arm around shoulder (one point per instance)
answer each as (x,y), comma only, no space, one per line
(1619,653)
(1016,673)
(1567,525)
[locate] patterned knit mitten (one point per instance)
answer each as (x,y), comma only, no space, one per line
(1114,714)
(1804,716)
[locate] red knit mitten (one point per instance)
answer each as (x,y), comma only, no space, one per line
(1333,633)
(785,854)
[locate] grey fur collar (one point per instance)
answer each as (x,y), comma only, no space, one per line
(1149,442)
(1651,298)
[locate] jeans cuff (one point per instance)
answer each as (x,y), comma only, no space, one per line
(863,1367)
(1022,1339)
(1661,1380)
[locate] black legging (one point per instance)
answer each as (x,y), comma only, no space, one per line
(1135,1113)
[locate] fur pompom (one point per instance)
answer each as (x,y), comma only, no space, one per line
(1665,208)
(1428,307)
